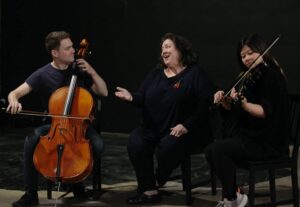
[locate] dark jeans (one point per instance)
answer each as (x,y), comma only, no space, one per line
(225,155)
(142,146)
(31,174)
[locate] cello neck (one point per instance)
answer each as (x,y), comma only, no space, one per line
(69,100)
(82,53)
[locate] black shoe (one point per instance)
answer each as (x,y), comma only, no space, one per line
(142,198)
(27,200)
(159,181)
(79,192)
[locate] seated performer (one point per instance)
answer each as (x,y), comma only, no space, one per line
(257,117)
(174,98)
(44,82)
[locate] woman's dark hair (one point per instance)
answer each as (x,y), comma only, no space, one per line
(52,41)
(188,56)
(256,44)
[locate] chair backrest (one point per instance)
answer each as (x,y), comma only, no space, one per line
(294,108)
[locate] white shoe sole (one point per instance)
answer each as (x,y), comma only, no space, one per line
(244,201)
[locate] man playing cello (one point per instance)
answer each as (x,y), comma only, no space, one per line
(44,82)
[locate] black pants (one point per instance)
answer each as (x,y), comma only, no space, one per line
(225,155)
(143,145)
(31,141)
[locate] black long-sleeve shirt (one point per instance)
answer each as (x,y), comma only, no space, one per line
(181,99)
(269,91)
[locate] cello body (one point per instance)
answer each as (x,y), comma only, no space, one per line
(74,162)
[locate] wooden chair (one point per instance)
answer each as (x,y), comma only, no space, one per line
(272,165)
(186,176)
(96,183)
(210,133)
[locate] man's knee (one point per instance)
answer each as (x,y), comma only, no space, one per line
(31,140)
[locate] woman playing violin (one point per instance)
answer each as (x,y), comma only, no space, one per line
(44,82)
(261,129)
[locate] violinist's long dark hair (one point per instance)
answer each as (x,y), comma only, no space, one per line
(256,44)
(188,56)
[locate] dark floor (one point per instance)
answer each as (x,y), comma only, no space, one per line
(116,167)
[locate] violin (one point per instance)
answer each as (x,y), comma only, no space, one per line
(249,77)
(64,154)
(252,77)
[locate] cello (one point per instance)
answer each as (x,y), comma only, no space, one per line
(64,154)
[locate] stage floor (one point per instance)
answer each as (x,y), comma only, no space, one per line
(117,176)
(116,194)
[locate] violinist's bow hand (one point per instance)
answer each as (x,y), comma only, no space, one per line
(218,97)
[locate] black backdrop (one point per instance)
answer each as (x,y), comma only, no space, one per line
(125,34)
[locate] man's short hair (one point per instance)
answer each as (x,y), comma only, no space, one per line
(53,39)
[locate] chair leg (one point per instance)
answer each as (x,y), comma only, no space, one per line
(186,179)
(295,187)
(97,180)
(251,187)
(213,181)
(49,189)
(272,186)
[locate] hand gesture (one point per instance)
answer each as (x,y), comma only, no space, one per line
(123,94)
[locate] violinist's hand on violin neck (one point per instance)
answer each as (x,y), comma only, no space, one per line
(239,99)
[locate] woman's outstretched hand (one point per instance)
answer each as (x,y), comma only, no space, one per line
(124,94)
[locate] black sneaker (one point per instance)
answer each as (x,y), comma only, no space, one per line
(27,200)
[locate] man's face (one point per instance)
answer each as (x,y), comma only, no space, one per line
(65,52)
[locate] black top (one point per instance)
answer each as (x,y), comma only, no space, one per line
(47,79)
(269,91)
(181,99)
